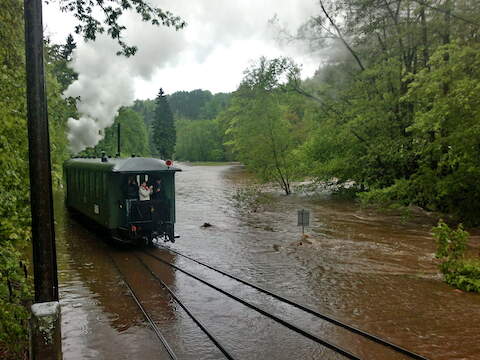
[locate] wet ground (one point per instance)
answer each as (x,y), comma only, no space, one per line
(370,269)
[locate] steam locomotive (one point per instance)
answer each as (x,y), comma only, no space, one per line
(101,190)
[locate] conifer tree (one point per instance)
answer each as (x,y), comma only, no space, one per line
(164,134)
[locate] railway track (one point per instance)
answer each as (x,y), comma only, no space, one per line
(141,257)
(160,336)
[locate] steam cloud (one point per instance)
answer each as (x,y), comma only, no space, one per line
(107,82)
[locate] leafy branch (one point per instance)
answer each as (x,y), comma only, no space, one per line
(90,24)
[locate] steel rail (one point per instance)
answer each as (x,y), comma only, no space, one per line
(184,307)
(285,323)
(155,328)
(307,309)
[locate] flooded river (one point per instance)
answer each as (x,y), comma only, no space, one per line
(371,270)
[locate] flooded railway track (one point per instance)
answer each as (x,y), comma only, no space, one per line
(148,316)
(142,256)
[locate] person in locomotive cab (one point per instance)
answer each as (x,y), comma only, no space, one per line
(145,191)
(132,188)
(157,190)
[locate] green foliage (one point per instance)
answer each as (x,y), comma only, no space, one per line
(58,77)
(58,57)
(14,182)
(197,104)
(91,23)
(164,133)
(189,104)
(398,193)
(261,123)
(146,110)
(398,108)
(133,137)
(464,275)
(200,135)
(14,293)
(451,245)
(200,140)
(447,132)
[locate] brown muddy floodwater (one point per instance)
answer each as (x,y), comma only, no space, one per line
(371,270)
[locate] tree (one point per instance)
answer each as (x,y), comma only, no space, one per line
(446,132)
(259,122)
(133,136)
(189,104)
(200,140)
(58,58)
(164,134)
(146,110)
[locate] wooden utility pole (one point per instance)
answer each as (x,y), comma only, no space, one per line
(46,339)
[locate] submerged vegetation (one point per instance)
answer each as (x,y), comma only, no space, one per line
(251,199)
(458,270)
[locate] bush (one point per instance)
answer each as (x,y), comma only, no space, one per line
(15,292)
(250,199)
(451,244)
(398,193)
(462,273)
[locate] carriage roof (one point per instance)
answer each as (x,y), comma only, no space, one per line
(121,165)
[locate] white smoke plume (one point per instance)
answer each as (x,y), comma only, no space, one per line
(216,29)
(105,84)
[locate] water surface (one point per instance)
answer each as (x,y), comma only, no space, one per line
(373,270)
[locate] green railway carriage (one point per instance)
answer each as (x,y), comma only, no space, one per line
(99,190)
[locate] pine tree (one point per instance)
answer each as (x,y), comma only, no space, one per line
(68,48)
(164,134)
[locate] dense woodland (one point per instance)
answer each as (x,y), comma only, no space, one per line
(394,107)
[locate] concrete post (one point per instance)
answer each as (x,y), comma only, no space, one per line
(45,334)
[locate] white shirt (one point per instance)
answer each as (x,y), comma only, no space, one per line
(144,193)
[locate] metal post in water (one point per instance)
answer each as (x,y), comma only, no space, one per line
(303,219)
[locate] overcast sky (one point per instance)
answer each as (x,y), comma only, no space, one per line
(221,39)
